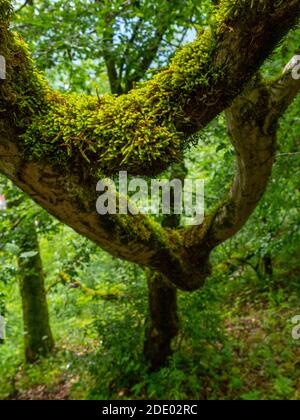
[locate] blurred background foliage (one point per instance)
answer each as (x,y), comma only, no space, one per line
(235,340)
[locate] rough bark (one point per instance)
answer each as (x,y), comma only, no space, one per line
(38,337)
(163,323)
(72,199)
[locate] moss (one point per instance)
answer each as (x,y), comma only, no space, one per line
(110,132)
(117,132)
(5,9)
(24,91)
(141,132)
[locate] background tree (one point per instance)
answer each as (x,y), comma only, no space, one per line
(118,43)
(37,331)
(23,219)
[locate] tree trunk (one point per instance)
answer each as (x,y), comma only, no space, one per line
(38,337)
(267,266)
(163,323)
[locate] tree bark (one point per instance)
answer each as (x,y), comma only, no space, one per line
(38,339)
(267,266)
(202,80)
(163,323)
(252,122)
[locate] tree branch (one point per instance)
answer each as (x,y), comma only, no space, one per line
(108,55)
(252,122)
(55,147)
(65,279)
(146,130)
(149,55)
(26,3)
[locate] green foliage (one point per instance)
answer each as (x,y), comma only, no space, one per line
(235,340)
(70,40)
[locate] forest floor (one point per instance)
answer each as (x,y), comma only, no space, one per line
(247,352)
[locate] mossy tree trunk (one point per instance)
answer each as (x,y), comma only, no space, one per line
(38,339)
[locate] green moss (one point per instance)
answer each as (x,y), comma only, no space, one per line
(24,91)
(141,132)
(110,132)
(115,133)
(5,9)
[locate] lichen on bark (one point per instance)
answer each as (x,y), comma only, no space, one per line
(55,146)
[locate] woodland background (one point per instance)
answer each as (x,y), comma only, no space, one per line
(236,339)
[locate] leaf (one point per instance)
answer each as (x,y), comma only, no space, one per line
(12,249)
(29,254)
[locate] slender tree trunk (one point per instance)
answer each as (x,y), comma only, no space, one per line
(37,332)
(267,266)
(163,323)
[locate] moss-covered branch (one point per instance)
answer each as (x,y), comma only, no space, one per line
(71,197)
(55,147)
(68,281)
(146,130)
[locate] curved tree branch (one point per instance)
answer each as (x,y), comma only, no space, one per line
(252,122)
(71,198)
(146,130)
(56,147)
